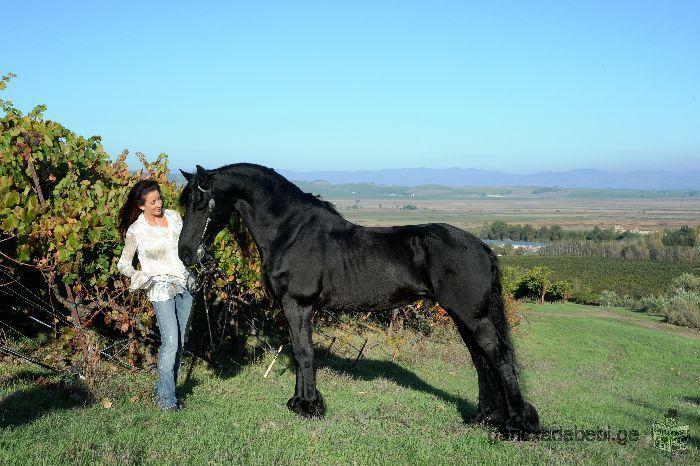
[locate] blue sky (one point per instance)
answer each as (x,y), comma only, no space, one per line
(512,86)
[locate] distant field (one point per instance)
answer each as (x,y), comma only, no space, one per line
(583,367)
(470,214)
(470,207)
(436,191)
(630,277)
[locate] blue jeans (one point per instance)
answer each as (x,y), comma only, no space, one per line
(172,317)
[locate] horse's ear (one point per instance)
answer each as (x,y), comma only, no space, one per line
(188,176)
(202,178)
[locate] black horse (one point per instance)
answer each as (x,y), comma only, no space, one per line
(312,258)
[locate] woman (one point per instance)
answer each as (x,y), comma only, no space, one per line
(153,232)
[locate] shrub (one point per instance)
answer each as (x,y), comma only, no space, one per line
(612,298)
(510,279)
(514,310)
(59,197)
(683,308)
(534,284)
(559,291)
(583,294)
(656,305)
(687,282)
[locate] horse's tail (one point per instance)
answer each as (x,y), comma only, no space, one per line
(494,299)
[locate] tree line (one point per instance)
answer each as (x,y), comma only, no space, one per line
(500,230)
(667,245)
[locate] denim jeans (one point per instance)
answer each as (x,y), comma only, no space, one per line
(172,317)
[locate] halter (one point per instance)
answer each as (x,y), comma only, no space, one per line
(210,208)
(205,263)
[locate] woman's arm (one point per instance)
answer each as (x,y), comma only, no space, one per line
(139,279)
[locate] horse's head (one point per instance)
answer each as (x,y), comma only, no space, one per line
(206,214)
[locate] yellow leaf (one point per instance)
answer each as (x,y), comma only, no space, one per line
(106,403)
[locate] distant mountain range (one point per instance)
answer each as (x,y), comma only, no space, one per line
(459,177)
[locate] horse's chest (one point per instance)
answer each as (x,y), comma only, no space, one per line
(300,278)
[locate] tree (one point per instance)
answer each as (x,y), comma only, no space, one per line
(535,283)
(560,290)
(684,236)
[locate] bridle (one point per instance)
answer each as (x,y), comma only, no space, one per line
(206,265)
(207,270)
(201,250)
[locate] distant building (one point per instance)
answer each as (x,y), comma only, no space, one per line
(527,246)
(621,229)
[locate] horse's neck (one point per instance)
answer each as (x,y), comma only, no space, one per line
(262,211)
(265,208)
(261,225)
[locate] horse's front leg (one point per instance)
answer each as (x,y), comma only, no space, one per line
(307,401)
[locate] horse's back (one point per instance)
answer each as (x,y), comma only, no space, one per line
(444,253)
(384,267)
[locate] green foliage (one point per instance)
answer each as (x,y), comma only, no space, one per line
(612,298)
(635,278)
(583,294)
(680,306)
(668,245)
(510,277)
(518,283)
(500,230)
(534,284)
(630,246)
(560,290)
(683,308)
(686,282)
(654,305)
(60,194)
(510,281)
(684,236)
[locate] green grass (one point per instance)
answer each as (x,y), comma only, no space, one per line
(636,278)
(580,366)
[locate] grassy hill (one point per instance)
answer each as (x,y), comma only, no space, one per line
(581,366)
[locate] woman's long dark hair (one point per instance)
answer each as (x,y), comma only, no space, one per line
(130,210)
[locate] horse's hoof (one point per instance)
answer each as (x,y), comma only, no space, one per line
(489,418)
(315,408)
(518,426)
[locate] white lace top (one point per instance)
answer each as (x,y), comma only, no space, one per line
(162,272)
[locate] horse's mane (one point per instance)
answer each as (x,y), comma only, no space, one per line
(184,195)
(270,177)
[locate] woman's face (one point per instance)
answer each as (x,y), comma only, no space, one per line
(152,204)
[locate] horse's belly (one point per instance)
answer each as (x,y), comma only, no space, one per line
(350,303)
(371,288)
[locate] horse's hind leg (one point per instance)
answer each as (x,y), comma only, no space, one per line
(499,353)
(498,375)
(307,400)
(491,395)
